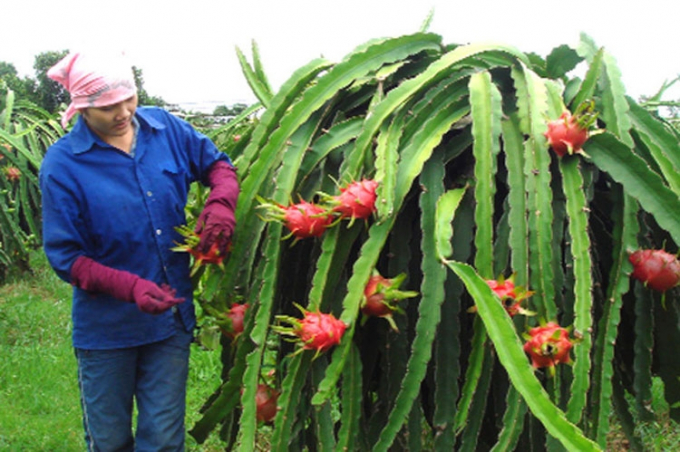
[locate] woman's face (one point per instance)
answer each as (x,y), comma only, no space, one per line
(113,120)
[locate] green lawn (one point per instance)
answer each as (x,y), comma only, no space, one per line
(38,383)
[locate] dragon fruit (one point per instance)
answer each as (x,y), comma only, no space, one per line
(657,269)
(303,219)
(548,345)
(567,134)
(190,245)
(265,402)
(511,296)
(315,331)
(232,322)
(356,200)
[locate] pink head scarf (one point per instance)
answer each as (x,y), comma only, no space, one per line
(93,80)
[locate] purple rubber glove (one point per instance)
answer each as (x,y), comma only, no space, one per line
(149,297)
(216,222)
(152,299)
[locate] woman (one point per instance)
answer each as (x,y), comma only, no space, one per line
(114,188)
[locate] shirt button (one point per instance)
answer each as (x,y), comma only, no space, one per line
(158,232)
(148,193)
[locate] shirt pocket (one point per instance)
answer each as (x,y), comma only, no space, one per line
(173,188)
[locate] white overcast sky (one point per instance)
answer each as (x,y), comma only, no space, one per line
(186,49)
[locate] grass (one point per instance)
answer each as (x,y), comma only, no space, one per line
(38,385)
(662,433)
(38,378)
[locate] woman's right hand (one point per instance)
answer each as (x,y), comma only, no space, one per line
(149,296)
(154,299)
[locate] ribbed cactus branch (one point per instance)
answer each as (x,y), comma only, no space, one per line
(485,101)
(289,400)
(348,436)
(513,146)
(431,298)
(513,422)
(644,345)
(532,110)
(448,346)
(638,179)
(625,236)
(577,212)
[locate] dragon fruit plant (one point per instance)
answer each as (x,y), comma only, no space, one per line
(466,162)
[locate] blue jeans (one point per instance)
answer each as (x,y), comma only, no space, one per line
(153,375)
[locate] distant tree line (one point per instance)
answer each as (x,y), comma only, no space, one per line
(39,90)
(52,97)
(233,110)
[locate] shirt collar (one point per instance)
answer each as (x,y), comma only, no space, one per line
(83,139)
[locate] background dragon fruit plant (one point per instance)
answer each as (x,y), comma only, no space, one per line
(26,131)
(467,187)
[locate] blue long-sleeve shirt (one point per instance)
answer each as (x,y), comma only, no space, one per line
(121,210)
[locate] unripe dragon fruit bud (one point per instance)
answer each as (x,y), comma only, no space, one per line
(381,296)
(12,174)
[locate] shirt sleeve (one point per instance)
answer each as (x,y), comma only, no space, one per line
(63,228)
(201,150)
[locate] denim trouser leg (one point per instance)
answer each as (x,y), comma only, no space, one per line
(155,375)
(161,395)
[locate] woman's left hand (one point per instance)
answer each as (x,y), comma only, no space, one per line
(216,222)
